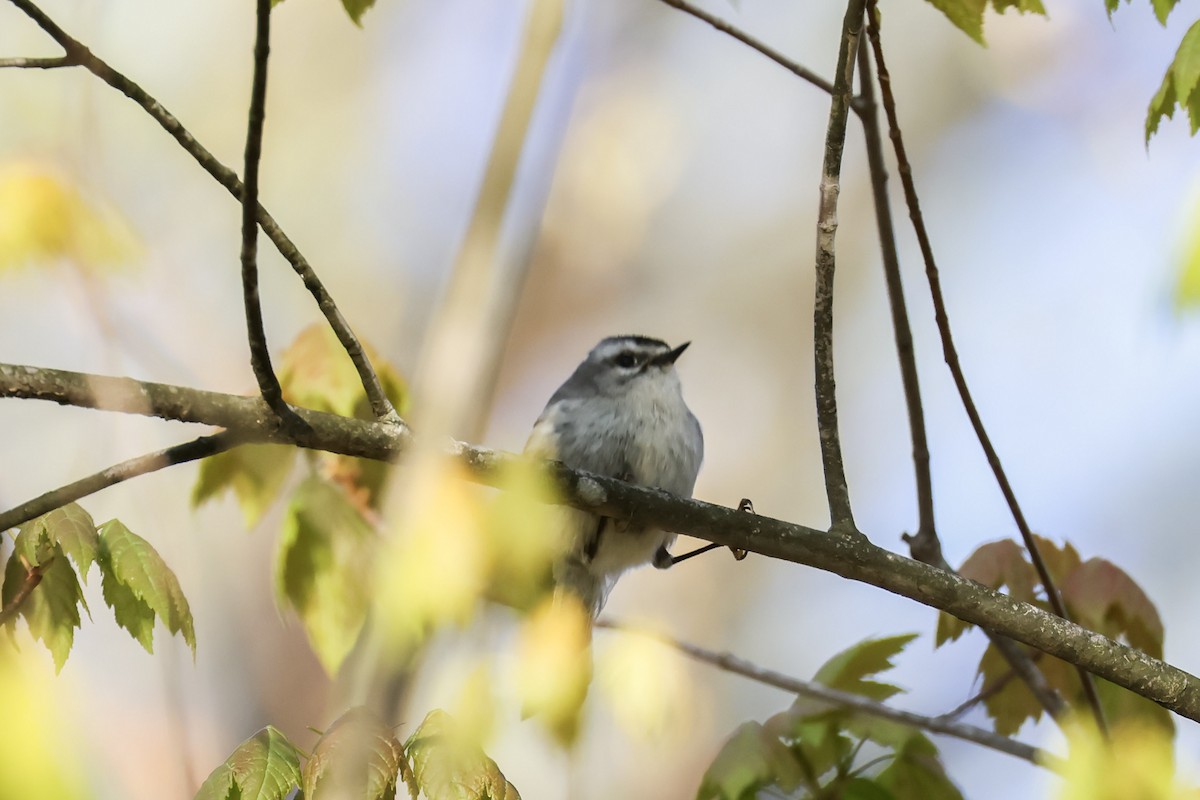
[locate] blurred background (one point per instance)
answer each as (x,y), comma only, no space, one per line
(667,187)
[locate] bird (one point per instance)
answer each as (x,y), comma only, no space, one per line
(620,414)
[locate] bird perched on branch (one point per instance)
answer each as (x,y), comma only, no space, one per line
(621,414)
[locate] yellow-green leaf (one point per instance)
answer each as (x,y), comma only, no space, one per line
(139,586)
(72,528)
(356,8)
(44,218)
(1180,85)
(849,669)
(316,373)
(750,760)
(450,765)
(323,569)
(51,610)
(254,472)
(357,757)
(264,767)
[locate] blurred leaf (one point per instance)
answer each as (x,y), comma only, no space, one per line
(138,585)
(264,767)
(967,15)
(1101,596)
(38,759)
(1015,703)
(449,765)
(72,528)
(1061,561)
(356,8)
(43,218)
(750,760)
(864,789)
(475,708)
(1123,706)
(358,757)
(525,534)
(323,568)
(255,473)
(995,565)
(849,669)
(916,773)
(435,569)
(647,687)
(1136,761)
(316,373)
(555,658)
(817,739)
(1187,284)
(1179,85)
(1162,8)
(52,609)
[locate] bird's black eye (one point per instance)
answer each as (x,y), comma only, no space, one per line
(626,361)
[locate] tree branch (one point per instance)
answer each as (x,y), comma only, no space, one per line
(851,557)
(754,44)
(33,576)
(77,53)
(836,489)
(199,448)
(843,700)
(37,63)
(923,541)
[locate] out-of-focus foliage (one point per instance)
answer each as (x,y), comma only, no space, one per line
(138,586)
(38,754)
(326,550)
(254,472)
(357,757)
(1098,595)
(555,664)
(967,15)
(44,219)
(264,767)
(814,746)
(1136,760)
(449,765)
(1187,283)
(354,8)
(1180,85)
(646,687)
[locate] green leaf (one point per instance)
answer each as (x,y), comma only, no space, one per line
(916,773)
(967,15)
(138,586)
(1179,85)
(326,551)
(751,759)
(1163,8)
(849,669)
(255,473)
(448,765)
(357,757)
(73,528)
(356,8)
(864,789)
(315,371)
(52,609)
(264,767)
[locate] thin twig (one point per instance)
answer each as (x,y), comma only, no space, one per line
(843,700)
(77,53)
(851,557)
(987,692)
(260,353)
(37,63)
(950,354)
(33,576)
(838,492)
(895,291)
(796,69)
(202,447)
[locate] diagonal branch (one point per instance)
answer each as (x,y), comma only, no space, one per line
(923,541)
(851,557)
(37,63)
(836,489)
(77,53)
(843,700)
(795,68)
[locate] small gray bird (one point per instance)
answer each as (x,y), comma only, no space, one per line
(620,414)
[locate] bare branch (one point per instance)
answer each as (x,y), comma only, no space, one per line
(33,576)
(843,700)
(160,459)
(950,353)
(754,44)
(37,63)
(840,512)
(851,557)
(77,53)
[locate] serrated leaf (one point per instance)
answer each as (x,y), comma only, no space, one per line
(254,473)
(751,759)
(1163,8)
(72,528)
(967,15)
(129,561)
(51,610)
(916,773)
(45,218)
(356,8)
(316,373)
(264,767)
(1179,85)
(849,669)
(1014,703)
(323,568)
(447,765)
(357,757)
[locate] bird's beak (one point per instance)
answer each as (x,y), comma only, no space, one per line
(671,356)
